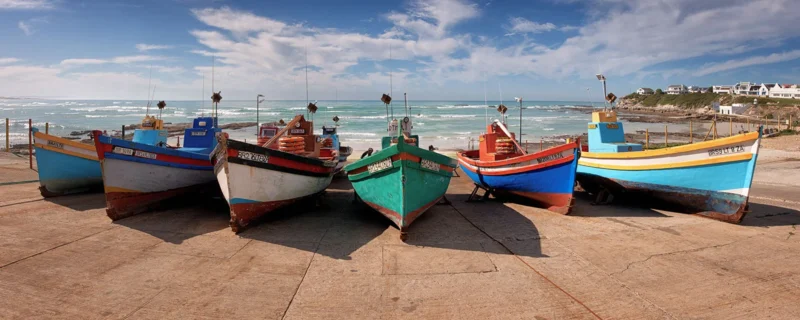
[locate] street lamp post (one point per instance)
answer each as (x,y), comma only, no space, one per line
(258,101)
(603,79)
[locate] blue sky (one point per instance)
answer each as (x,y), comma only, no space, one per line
(441,49)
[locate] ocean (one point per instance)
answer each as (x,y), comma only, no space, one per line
(444,124)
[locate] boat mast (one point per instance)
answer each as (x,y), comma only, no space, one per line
(390,80)
(306,80)
(520,119)
(148,90)
(486,102)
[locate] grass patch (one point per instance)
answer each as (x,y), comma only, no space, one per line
(689,100)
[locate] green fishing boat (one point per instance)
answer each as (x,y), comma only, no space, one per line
(402,180)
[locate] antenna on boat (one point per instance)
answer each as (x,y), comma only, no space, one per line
(216,97)
(405,98)
(307,80)
(519,99)
(486,102)
(150,99)
(390,80)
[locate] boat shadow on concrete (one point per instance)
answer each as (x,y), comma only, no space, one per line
(619,208)
(766,215)
(80,202)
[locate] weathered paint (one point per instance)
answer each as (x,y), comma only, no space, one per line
(65,166)
(405,189)
(549,184)
(266,180)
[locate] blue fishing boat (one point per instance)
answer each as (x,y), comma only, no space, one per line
(65,166)
(147,172)
(331,147)
(546,177)
(709,178)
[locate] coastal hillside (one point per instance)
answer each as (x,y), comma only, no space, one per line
(700,103)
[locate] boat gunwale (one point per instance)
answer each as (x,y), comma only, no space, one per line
(744,137)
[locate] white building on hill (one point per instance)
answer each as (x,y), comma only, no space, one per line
(786,91)
(723,89)
(645,91)
(677,89)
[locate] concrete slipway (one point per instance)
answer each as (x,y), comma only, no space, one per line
(63,258)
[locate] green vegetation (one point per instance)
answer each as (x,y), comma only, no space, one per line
(767,101)
(787,132)
(690,100)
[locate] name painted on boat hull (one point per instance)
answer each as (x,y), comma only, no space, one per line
(135,153)
(252,156)
(725,150)
(54,144)
(550,157)
(430,165)
(380,165)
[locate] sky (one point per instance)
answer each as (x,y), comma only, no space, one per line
(433,49)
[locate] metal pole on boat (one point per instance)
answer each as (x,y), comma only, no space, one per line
(8,149)
(123,132)
(520,118)
(258,101)
(602,78)
(47,128)
(30,142)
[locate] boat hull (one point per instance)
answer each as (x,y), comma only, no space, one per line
(711,178)
(402,181)
(256,181)
(65,166)
(139,177)
(547,178)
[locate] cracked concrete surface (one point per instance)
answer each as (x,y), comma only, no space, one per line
(63,258)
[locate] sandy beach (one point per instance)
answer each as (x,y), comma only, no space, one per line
(63,258)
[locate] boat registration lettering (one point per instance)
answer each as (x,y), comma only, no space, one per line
(612,126)
(430,165)
(380,165)
(726,150)
(297,131)
(252,156)
(198,133)
(55,144)
(550,157)
(143,154)
(123,151)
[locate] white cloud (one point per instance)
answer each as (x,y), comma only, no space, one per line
(237,21)
(751,61)
(25,4)
(117,60)
(25,27)
(9,60)
(432,18)
(522,25)
(147,47)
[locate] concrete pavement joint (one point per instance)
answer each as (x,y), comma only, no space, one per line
(310,261)
(53,248)
(526,263)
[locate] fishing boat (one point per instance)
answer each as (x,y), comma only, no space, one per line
(401,180)
(286,168)
(709,178)
(501,166)
(65,166)
(146,172)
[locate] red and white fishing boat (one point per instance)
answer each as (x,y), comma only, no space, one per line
(258,179)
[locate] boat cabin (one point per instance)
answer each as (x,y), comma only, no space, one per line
(607,135)
(496,145)
(393,133)
(201,137)
(266,132)
(330,143)
(151,132)
(297,137)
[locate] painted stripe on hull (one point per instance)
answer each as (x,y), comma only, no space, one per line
(61,174)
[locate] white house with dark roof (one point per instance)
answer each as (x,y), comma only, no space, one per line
(645,91)
(677,89)
(766,88)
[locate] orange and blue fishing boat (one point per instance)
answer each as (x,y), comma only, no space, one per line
(65,166)
(501,166)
